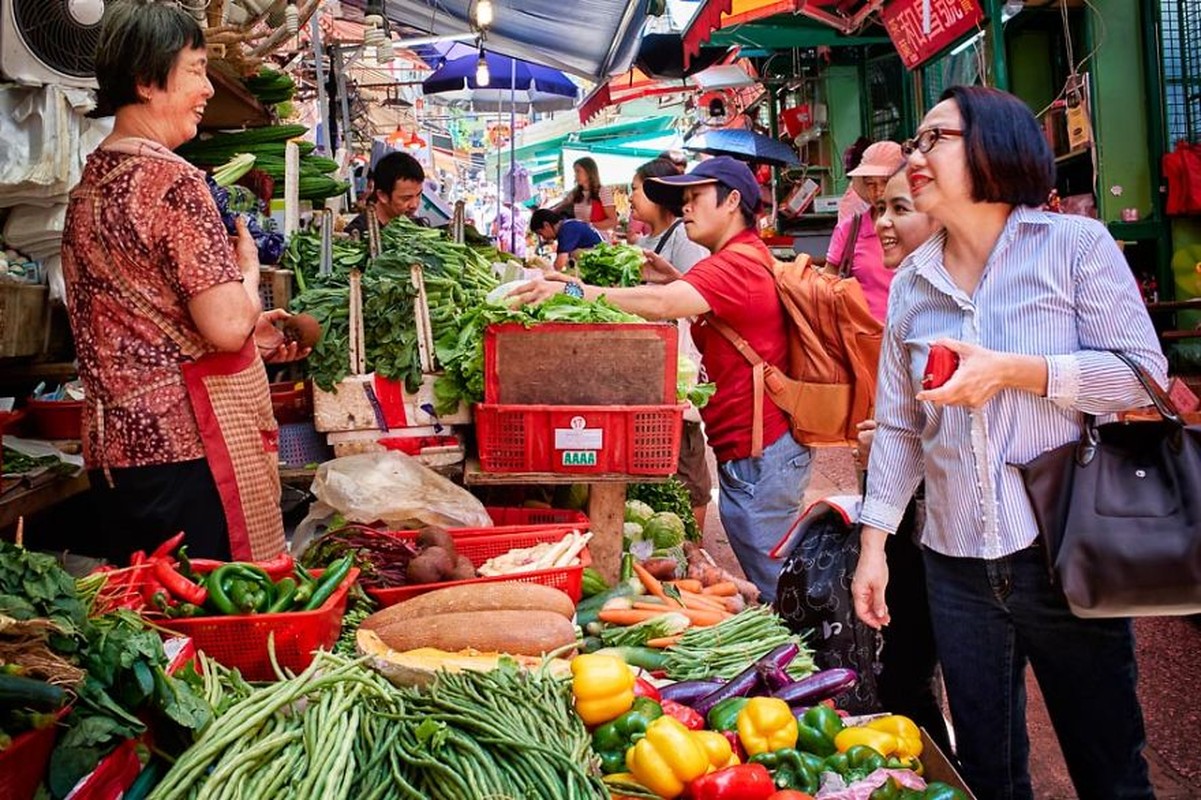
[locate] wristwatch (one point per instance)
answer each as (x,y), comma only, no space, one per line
(573,289)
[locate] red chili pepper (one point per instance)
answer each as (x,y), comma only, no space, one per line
(179,586)
(735,744)
(168,547)
(686,716)
(644,688)
(203,566)
(278,567)
(940,366)
(741,782)
(137,558)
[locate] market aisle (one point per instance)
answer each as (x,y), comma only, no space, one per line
(1169,674)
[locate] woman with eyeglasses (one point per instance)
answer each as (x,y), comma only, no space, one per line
(1029,302)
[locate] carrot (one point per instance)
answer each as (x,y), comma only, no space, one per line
(688,585)
(691,600)
(722,589)
(653,584)
(621,616)
(700,617)
(665,641)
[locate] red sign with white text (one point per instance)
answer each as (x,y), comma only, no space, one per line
(949,20)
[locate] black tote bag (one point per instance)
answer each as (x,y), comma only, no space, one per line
(1120,513)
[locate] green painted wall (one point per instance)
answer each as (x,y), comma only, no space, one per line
(844,102)
(1030,71)
(1119,109)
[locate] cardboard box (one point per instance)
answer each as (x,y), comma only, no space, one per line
(369,402)
(939,768)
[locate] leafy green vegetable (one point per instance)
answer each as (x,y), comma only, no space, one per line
(34,586)
(668,496)
(611,265)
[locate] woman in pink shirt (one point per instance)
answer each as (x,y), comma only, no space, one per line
(863,258)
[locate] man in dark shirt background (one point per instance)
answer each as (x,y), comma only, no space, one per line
(568,235)
(398,183)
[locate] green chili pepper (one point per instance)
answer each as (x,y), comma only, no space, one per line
(285,593)
(219,597)
(330,580)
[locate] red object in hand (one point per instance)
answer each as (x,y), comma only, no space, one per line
(741,782)
(681,713)
(940,366)
(644,688)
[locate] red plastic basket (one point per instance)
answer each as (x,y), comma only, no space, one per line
(528,520)
(629,440)
(23,763)
(240,642)
(57,419)
(480,548)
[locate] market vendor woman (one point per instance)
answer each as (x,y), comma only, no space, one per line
(170,336)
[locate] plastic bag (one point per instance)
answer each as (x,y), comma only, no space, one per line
(814,594)
(391,488)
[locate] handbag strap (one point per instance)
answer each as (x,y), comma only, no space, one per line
(758,367)
(1159,398)
(848,250)
(667,235)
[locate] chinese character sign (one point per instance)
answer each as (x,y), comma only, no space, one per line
(949,20)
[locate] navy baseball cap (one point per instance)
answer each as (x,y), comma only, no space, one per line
(732,173)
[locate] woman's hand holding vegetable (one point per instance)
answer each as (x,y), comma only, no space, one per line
(271,342)
(871,578)
(982,373)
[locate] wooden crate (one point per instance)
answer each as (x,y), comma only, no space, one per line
(360,403)
(275,287)
(23,311)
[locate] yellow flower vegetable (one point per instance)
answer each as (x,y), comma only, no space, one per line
(766,724)
(717,748)
(883,743)
(603,687)
(907,733)
(668,758)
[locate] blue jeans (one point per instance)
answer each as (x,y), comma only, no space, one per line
(990,618)
(760,499)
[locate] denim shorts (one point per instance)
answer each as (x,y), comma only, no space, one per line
(760,500)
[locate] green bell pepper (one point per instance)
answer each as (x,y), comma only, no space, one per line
(856,763)
(816,730)
(613,739)
(790,770)
(724,716)
(937,790)
(889,790)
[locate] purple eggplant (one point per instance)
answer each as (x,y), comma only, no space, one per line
(817,687)
(688,692)
(773,676)
(745,682)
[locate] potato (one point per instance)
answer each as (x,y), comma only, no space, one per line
(432,565)
(464,570)
(528,633)
(433,536)
(497,596)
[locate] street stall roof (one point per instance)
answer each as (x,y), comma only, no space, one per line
(594,40)
(638,85)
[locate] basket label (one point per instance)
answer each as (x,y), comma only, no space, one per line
(579,437)
(579,458)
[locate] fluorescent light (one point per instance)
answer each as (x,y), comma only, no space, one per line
(968,43)
(420,40)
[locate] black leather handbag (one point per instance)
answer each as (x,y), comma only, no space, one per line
(1120,513)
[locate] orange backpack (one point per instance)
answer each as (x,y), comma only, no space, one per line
(833,350)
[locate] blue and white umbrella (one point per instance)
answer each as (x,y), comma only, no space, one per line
(744,145)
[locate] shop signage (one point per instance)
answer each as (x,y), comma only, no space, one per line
(579,458)
(579,436)
(950,20)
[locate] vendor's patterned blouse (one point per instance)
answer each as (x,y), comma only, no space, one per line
(161,215)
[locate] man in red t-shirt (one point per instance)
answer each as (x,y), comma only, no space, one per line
(760,496)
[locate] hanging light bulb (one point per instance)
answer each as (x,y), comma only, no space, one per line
(483,13)
(482,76)
(292,18)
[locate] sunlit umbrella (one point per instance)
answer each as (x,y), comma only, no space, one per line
(744,145)
(513,85)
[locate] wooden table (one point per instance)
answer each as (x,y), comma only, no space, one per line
(25,501)
(606,505)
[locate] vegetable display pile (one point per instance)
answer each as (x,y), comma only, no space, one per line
(669,496)
(303,257)
(724,649)
(268,145)
(16,463)
(611,265)
(338,730)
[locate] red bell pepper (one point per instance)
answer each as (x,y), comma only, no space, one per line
(642,687)
(735,744)
(168,547)
(179,586)
(690,719)
(741,782)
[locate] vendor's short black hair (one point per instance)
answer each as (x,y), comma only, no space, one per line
(396,167)
(140,41)
(543,216)
(1008,157)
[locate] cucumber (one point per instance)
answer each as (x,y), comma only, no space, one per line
(588,610)
(18,692)
(593,583)
(649,658)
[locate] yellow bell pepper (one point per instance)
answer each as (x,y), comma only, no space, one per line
(717,748)
(668,758)
(907,733)
(603,687)
(883,743)
(766,724)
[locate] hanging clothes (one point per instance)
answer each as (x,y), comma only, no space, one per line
(517,187)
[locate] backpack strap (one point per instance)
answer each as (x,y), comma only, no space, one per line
(667,235)
(848,249)
(758,365)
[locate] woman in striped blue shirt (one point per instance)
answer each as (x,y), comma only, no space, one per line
(1030,302)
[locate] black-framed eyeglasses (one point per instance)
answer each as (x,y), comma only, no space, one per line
(924,142)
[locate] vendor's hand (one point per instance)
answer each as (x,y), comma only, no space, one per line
(535,292)
(246,251)
(871,579)
(270,340)
(979,376)
(867,434)
(657,269)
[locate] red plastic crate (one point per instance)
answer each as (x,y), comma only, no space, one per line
(628,440)
(23,763)
(527,520)
(240,642)
(616,355)
(479,548)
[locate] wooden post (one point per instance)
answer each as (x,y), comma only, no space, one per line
(606,513)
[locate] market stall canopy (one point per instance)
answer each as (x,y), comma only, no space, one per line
(745,145)
(594,40)
(638,85)
(513,85)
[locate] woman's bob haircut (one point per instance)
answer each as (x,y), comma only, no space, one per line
(140,41)
(1008,157)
